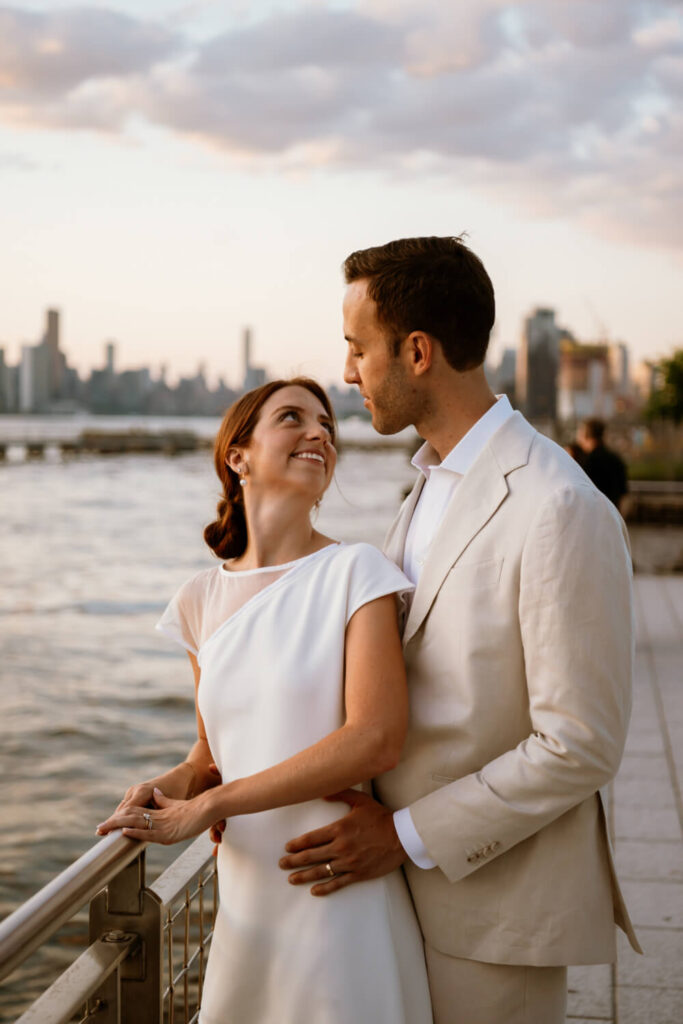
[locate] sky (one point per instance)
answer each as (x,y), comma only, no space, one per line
(171,171)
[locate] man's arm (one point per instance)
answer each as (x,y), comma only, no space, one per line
(575,619)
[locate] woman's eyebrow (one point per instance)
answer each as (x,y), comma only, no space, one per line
(323,417)
(288,408)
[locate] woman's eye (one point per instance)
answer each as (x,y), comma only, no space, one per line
(290,413)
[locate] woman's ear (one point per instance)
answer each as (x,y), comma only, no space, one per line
(234,460)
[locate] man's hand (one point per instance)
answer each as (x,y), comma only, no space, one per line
(361,845)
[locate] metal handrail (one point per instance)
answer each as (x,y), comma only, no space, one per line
(27,928)
(132,944)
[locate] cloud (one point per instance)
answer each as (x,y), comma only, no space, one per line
(558,104)
(49,60)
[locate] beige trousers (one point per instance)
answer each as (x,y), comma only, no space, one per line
(470,992)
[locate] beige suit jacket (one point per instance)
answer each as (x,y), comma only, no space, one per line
(519,652)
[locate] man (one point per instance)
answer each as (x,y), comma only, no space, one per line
(604,467)
(518,650)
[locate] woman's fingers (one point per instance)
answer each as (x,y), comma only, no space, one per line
(149,835)
(129,817)
(141,795)
(144,825)
(216,831)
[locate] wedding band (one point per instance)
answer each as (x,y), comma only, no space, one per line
(148,819)
(329,869)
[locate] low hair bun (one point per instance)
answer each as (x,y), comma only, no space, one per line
(227,534)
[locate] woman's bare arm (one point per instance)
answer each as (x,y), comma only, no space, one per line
(367,744)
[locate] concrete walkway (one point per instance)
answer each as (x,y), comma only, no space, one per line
(647,829)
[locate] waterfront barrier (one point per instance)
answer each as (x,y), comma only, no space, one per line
(654,501)
(168,442)
(148,944)
(101,442)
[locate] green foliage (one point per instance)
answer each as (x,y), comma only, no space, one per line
(656,468)
(667,402)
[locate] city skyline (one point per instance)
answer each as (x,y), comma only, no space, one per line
(168,179)
(42,381)
(552,376)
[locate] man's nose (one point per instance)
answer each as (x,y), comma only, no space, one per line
(350,372)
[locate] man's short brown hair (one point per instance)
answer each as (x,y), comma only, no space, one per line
(432,284)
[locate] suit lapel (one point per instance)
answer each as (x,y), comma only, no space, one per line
(395,541)
(477,498)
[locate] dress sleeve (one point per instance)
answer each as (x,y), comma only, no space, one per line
(373,575)
(181,619)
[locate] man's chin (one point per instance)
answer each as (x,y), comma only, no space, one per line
(386,426)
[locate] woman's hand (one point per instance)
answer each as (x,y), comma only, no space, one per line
(216,831)
(170,821)
(140,795)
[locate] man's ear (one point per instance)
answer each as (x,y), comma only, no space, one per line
(420,352)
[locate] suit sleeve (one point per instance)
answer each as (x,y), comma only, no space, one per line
(576,623)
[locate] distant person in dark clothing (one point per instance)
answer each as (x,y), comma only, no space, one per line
(605,468)
(574,449)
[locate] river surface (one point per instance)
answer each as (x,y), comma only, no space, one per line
(91,697)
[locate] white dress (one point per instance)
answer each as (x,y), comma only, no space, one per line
(271,684)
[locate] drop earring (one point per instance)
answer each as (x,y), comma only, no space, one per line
(243,476)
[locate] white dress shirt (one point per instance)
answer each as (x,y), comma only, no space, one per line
(441,480)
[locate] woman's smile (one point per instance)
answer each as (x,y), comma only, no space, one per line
(310,455)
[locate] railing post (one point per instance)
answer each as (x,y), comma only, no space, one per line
(126,906)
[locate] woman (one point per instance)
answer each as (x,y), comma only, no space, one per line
(300,691)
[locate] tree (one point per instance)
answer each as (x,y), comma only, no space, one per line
(666,403)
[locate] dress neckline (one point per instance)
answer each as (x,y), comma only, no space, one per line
(275,568)
(289,571)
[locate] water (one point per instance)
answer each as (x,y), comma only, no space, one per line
(91,697)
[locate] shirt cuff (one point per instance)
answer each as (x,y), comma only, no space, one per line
(410,840)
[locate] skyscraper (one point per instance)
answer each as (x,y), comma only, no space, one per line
(537,366)
(56,363)
(254,376)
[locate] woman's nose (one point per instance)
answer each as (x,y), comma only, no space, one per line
(318,432)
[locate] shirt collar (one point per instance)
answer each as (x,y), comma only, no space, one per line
(469,447)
